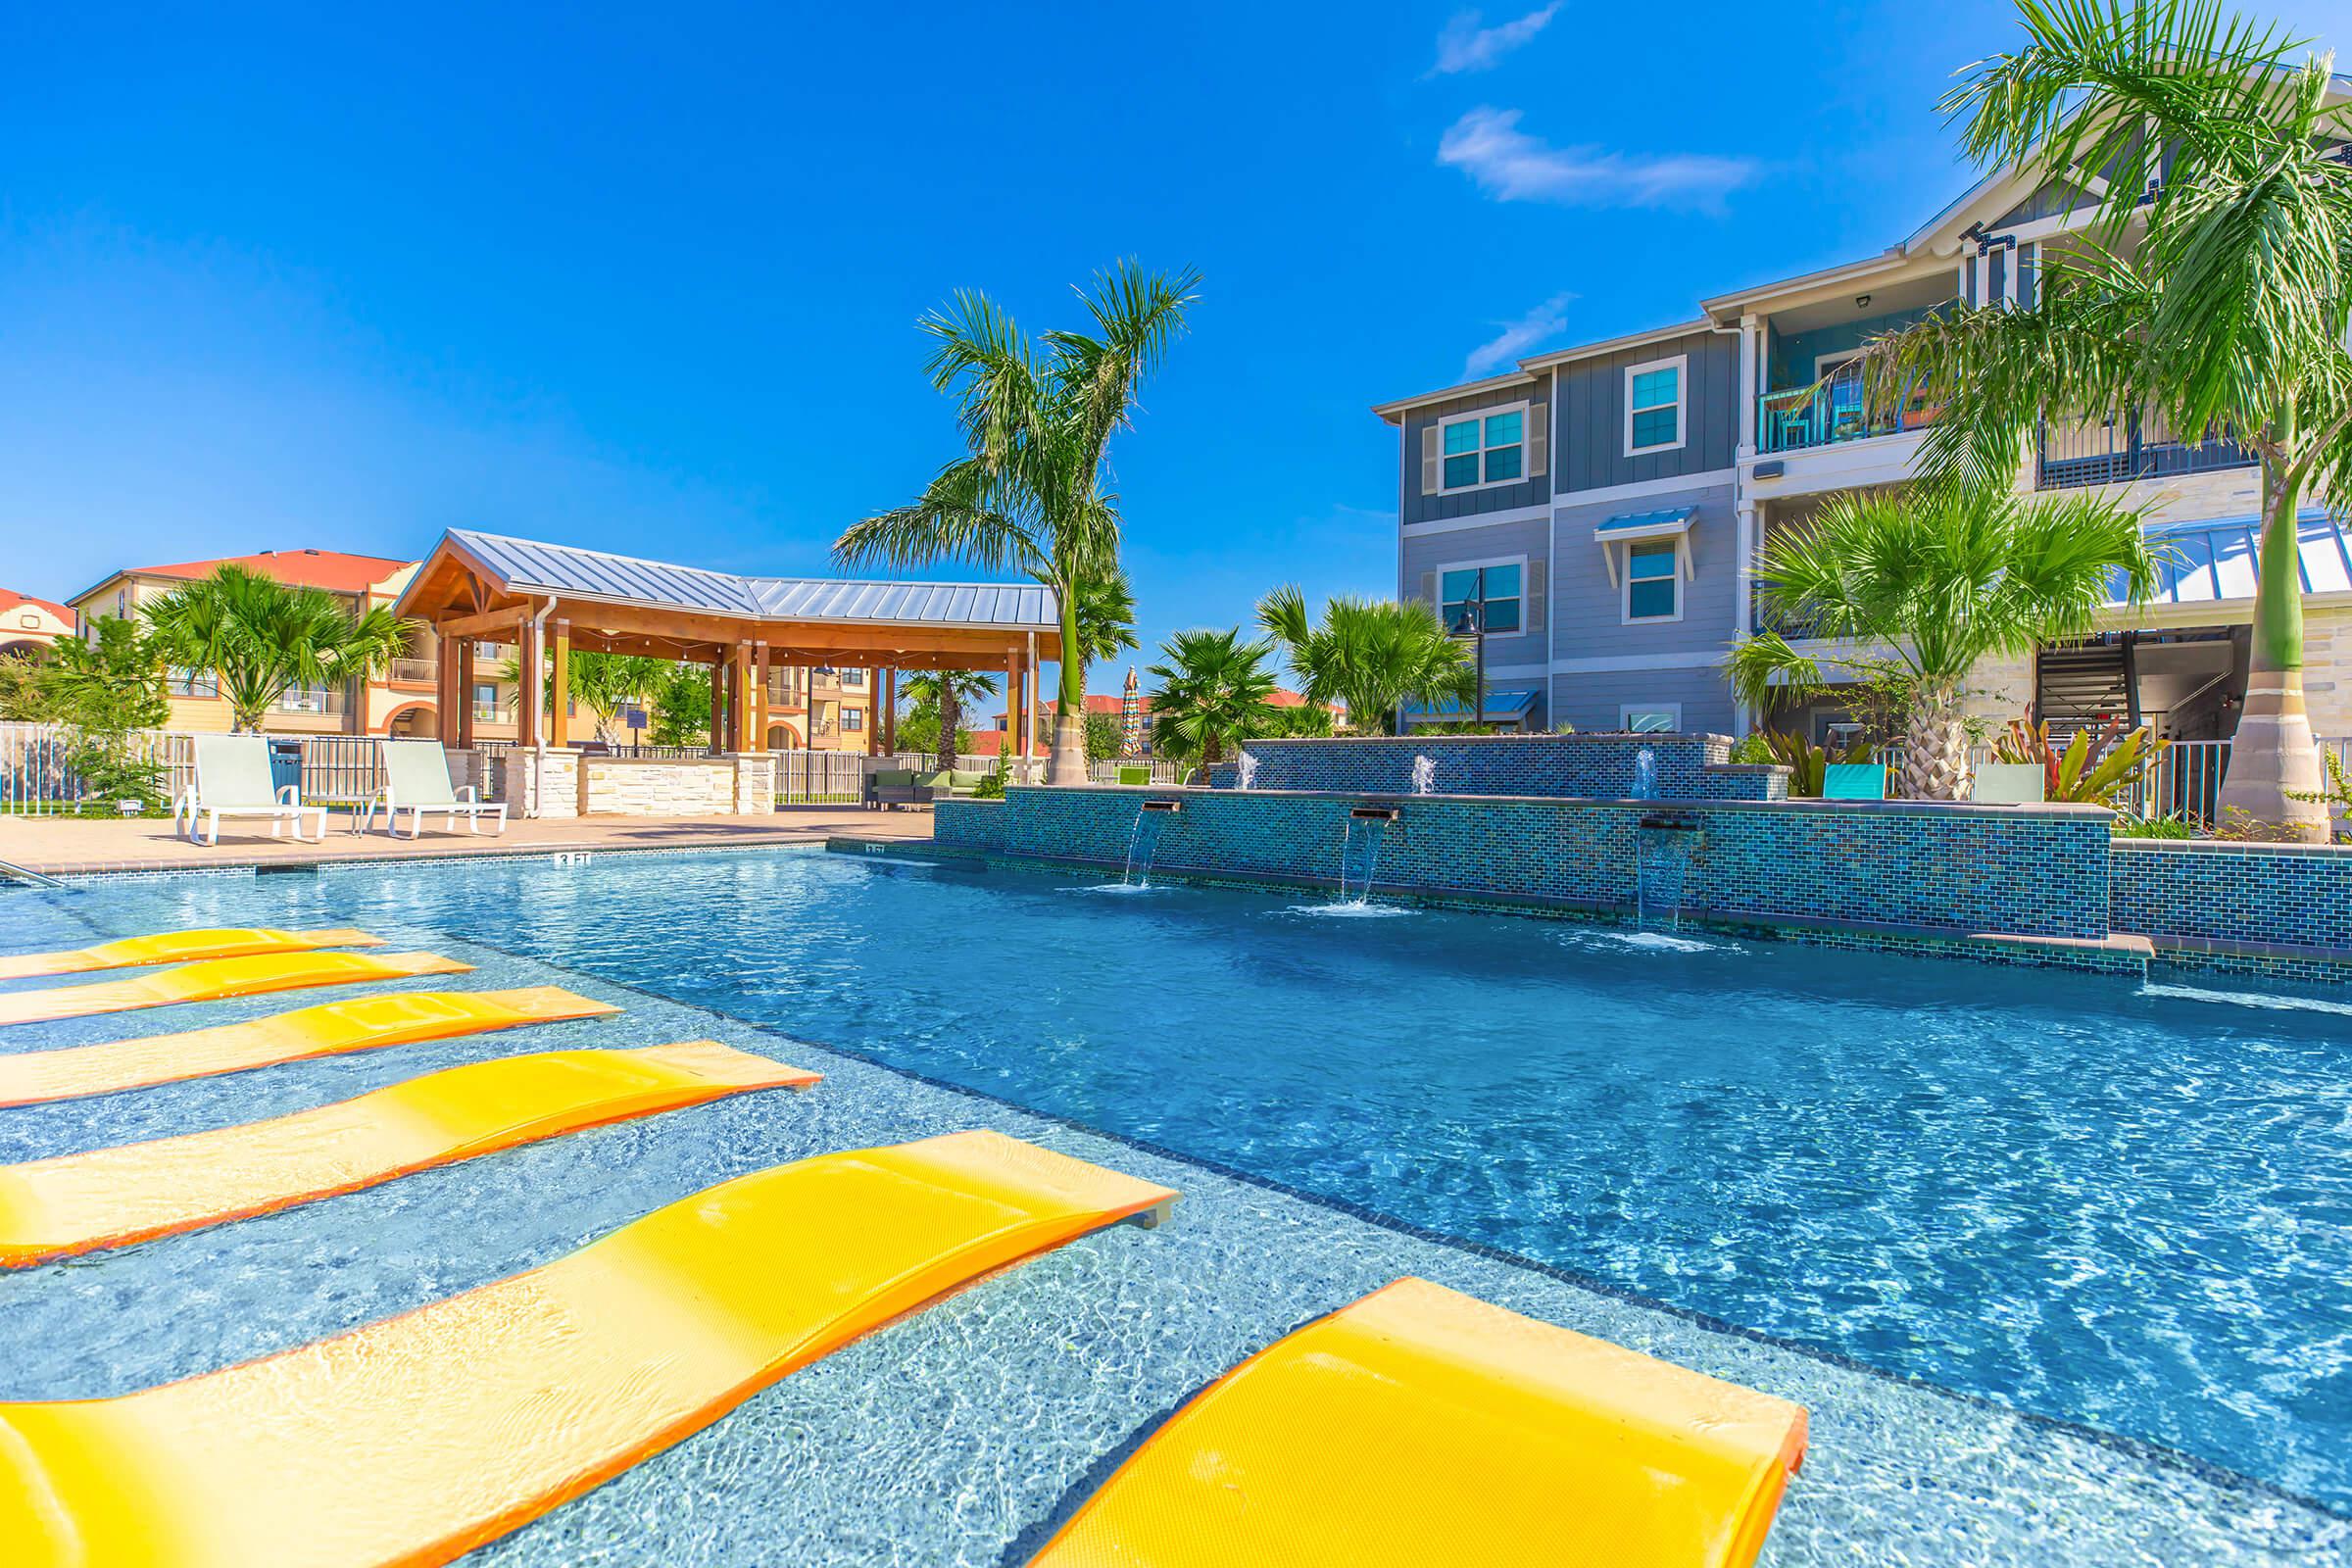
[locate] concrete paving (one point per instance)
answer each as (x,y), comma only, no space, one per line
(59,847)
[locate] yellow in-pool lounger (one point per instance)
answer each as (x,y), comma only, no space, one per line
(178,947)
(364,1023)
(420,1437)
(1419,1427)
(219,978)
(115,1196)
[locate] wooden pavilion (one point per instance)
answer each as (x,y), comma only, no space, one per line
(550,600)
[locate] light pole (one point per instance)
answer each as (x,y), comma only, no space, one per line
(1471,623)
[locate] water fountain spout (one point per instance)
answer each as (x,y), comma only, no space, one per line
(1245,766)
(1425,776)
(1645,774)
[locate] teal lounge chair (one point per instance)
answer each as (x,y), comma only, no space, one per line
(1854,781)
(2009,784)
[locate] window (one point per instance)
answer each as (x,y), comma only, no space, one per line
(1457,587)
(1654,405)
(306,700)
(1650,718)
(1652,575)
(853,678)
(485,700)
(1485,448)
(180,682)
(853,719)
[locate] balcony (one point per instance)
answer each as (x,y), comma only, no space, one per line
(414,671)
(317,699)
(1803,418)
(2122,449)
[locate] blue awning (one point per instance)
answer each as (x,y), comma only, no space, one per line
(1498,706)
(1645,524)
(2214,558)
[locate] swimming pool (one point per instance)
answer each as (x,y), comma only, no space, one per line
(2124,1207)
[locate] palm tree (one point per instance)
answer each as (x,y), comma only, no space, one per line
(1212,690)
(1106,616)
(1942,575)
(602,683)
(1037,418)
(2219,304)
(1374,656)
(261,637)
(947,691)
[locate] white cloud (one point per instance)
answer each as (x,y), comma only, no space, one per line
(1510,166)
(1517,337)
(1464,45)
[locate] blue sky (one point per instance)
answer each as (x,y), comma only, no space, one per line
(648,281)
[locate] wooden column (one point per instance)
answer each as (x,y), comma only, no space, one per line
(890,709)
(445,682)
(759,696)
(874,714)
(532,657)
(1016,712)
(718,702)
(743,698)
(559,688)
(465,691)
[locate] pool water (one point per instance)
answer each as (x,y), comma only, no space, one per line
(2122,1205)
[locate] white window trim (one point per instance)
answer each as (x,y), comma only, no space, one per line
(1522,408)
(1627,711)
(1489,563)
(1680,363)
(1682,574)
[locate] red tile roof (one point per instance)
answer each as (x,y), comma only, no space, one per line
(333,570)
(10,599)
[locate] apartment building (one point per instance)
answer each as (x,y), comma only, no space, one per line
(401,701)
(1616,495)
(28,625)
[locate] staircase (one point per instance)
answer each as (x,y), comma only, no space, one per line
(2083,685)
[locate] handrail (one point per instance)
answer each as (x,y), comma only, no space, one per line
(39,879)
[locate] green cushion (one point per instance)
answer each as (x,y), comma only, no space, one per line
(966,780)
(1854,781)
(892,778)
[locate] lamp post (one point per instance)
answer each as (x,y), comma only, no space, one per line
(1471,623)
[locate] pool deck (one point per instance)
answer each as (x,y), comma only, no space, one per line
(58,847)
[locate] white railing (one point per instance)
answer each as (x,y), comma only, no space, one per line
(807,778)
(2185,781)
(1164,771)
(39,778)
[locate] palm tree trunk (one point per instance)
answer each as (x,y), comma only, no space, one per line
(1069,713)
(946,720)
(2272,758)
(1935,750)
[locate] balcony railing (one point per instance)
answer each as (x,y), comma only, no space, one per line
(1802,418)
(2069,454)
(414,671)
(312,700)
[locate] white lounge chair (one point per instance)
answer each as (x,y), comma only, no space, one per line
(417,781)
(232,780)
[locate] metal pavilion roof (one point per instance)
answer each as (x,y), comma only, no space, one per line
(533,566)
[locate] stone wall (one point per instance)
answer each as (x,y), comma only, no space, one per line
(616,786)
(1928,867)
(540,785)
(1579,766)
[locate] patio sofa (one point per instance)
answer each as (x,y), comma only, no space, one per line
(960,784)
(894,787)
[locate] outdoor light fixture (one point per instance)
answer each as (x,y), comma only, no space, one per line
(1471,623)
(1861,301)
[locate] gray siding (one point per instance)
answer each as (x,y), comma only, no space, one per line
(1588,450)
(1591,702)
(1586,612)
(1423,555)
(1533,491)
